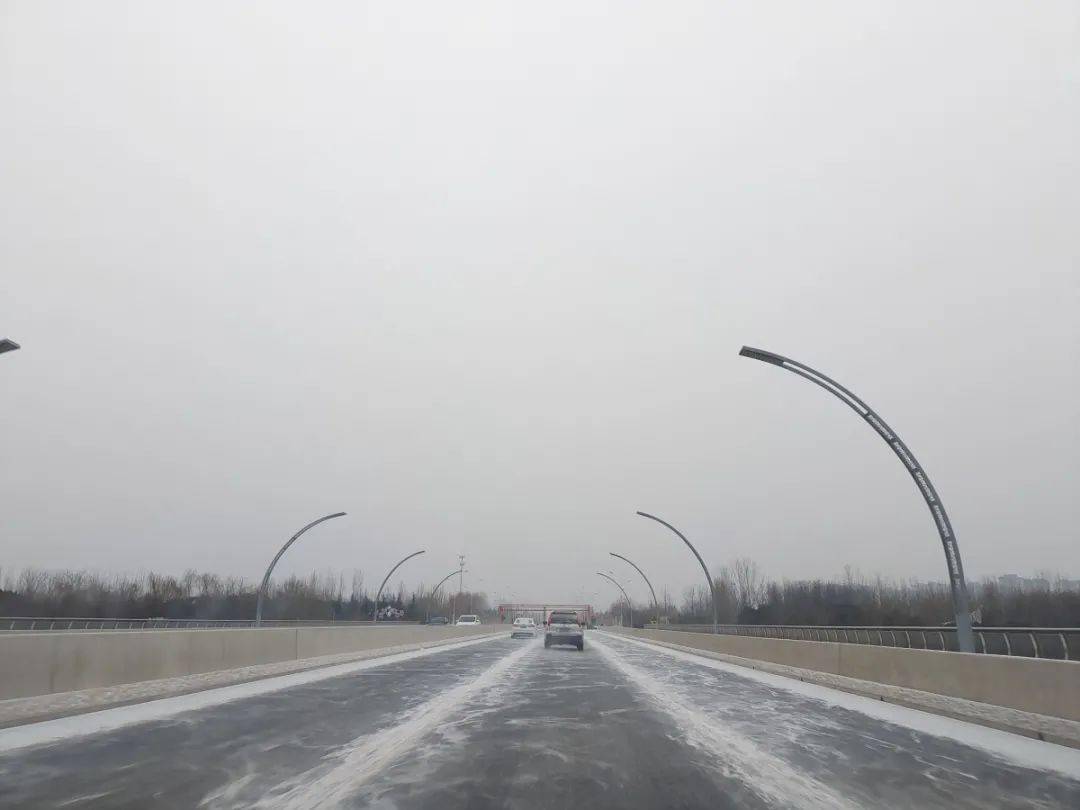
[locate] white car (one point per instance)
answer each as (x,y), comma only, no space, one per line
(524,627)
(468,619)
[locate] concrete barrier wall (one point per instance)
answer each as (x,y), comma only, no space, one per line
(44,663)
(1029,684)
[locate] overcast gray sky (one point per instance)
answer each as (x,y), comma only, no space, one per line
(478,273)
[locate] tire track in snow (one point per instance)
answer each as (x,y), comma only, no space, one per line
(1022,751)
(768,776)
(63,729)
(367,756)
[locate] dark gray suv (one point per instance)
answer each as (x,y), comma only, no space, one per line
(563,628)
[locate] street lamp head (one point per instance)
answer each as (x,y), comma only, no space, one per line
(761,354)
(8,345)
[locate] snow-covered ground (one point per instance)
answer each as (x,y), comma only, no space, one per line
(509,724)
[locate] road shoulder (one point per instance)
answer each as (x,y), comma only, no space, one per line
(21,711)
(1038,726)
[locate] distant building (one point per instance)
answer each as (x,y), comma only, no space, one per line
(1017,582)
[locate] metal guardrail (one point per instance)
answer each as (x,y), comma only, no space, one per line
(15,624)
(1062,643)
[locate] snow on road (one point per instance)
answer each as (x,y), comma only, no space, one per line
(1024,751)
(330,784)
(789,738)
(737,755)
(80,725)
(622,725)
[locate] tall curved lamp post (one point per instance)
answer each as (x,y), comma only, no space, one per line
(653,592)
(965,640)
(629,604)
(387,579)
(708,576)
(434,590)
(266,578)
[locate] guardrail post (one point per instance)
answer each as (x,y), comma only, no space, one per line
(1008,646)
(1064,646)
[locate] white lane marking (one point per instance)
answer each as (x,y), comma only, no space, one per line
(769,776)
(89,797)
(366,756)
(80,725)
(1021,750)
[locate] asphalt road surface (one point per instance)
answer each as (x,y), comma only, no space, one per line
(507,724)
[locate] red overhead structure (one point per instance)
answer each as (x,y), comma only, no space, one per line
(539,612)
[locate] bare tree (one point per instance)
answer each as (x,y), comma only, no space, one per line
(357,594)
(746,576)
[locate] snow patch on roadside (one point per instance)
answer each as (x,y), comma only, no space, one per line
(1019,750)
(773,779)
(66,728)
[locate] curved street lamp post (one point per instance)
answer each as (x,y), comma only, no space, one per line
(387,579)
(656,604)
(434,590)
(708,576)
(965,640)
(629,604)
(8,345)
(266,578)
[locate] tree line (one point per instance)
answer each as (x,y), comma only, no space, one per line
(205,595)
(743,595)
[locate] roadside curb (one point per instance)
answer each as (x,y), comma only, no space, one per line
(22,711)
(1028,724)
